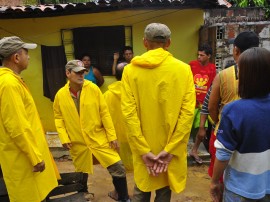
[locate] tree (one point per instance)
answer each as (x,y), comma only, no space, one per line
(250,3)
(265,4)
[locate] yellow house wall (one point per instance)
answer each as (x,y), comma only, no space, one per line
(184,25)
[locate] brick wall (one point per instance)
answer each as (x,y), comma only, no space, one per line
(234,15)
(227,24)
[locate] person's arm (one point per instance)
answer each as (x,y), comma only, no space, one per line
(202,129)
(223,156)
(60,123)
(226,143)
(214,100)
(17,124)
(185,119)
(106,119)
(115,60)
(218,171)
(204,116)
(205,104)
(133,126)
(215,187)
(98,76)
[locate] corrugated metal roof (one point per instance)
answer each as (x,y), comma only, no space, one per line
(100,6)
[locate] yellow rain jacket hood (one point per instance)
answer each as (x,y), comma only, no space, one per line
(158,101)
(152,60)
(113,99)
(90,131)
(22,142)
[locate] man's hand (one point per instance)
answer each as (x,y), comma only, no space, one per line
(201,133)
(114,145)
(116,56)
(67,146)
(150,163)
(157,164)
(163,159)
(216,190)
(39,167)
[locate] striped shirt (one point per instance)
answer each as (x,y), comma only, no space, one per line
(243,137)
(204,109)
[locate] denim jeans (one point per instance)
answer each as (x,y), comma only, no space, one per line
(229,196)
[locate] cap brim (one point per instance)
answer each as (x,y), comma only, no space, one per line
(29,45)
(231,41)
(78,69)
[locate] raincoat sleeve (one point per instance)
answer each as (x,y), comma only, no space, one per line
(182,130)
(59,122)
(17,123)
(136,139)
(106,118)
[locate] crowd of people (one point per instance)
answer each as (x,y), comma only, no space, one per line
(143,122)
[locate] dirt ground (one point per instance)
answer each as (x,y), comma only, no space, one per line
(100,183)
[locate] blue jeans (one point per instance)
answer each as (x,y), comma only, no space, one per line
(229,196)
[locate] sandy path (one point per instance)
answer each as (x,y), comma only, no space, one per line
(100,183)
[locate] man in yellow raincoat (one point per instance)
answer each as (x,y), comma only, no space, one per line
(85,127)
(26,162)
(113,98)
(158,101)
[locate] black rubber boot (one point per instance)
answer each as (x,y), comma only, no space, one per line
(120,185)
(84,182)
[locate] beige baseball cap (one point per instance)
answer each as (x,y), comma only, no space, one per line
(9,45)
(157,32)
(75,65)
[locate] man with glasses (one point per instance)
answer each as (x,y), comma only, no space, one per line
(85,128)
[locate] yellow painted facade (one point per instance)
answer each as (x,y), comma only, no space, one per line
(184,25)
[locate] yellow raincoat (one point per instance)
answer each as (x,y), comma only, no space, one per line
(90,132)
(113,98)
(22,143)
(158,101)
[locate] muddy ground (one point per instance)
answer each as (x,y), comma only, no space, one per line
(100,183)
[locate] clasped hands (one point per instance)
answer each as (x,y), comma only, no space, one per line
(156,164)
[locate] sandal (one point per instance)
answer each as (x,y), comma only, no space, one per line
(197,159)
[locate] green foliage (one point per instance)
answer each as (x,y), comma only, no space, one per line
(250,3)
(30,2)
(253,3)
